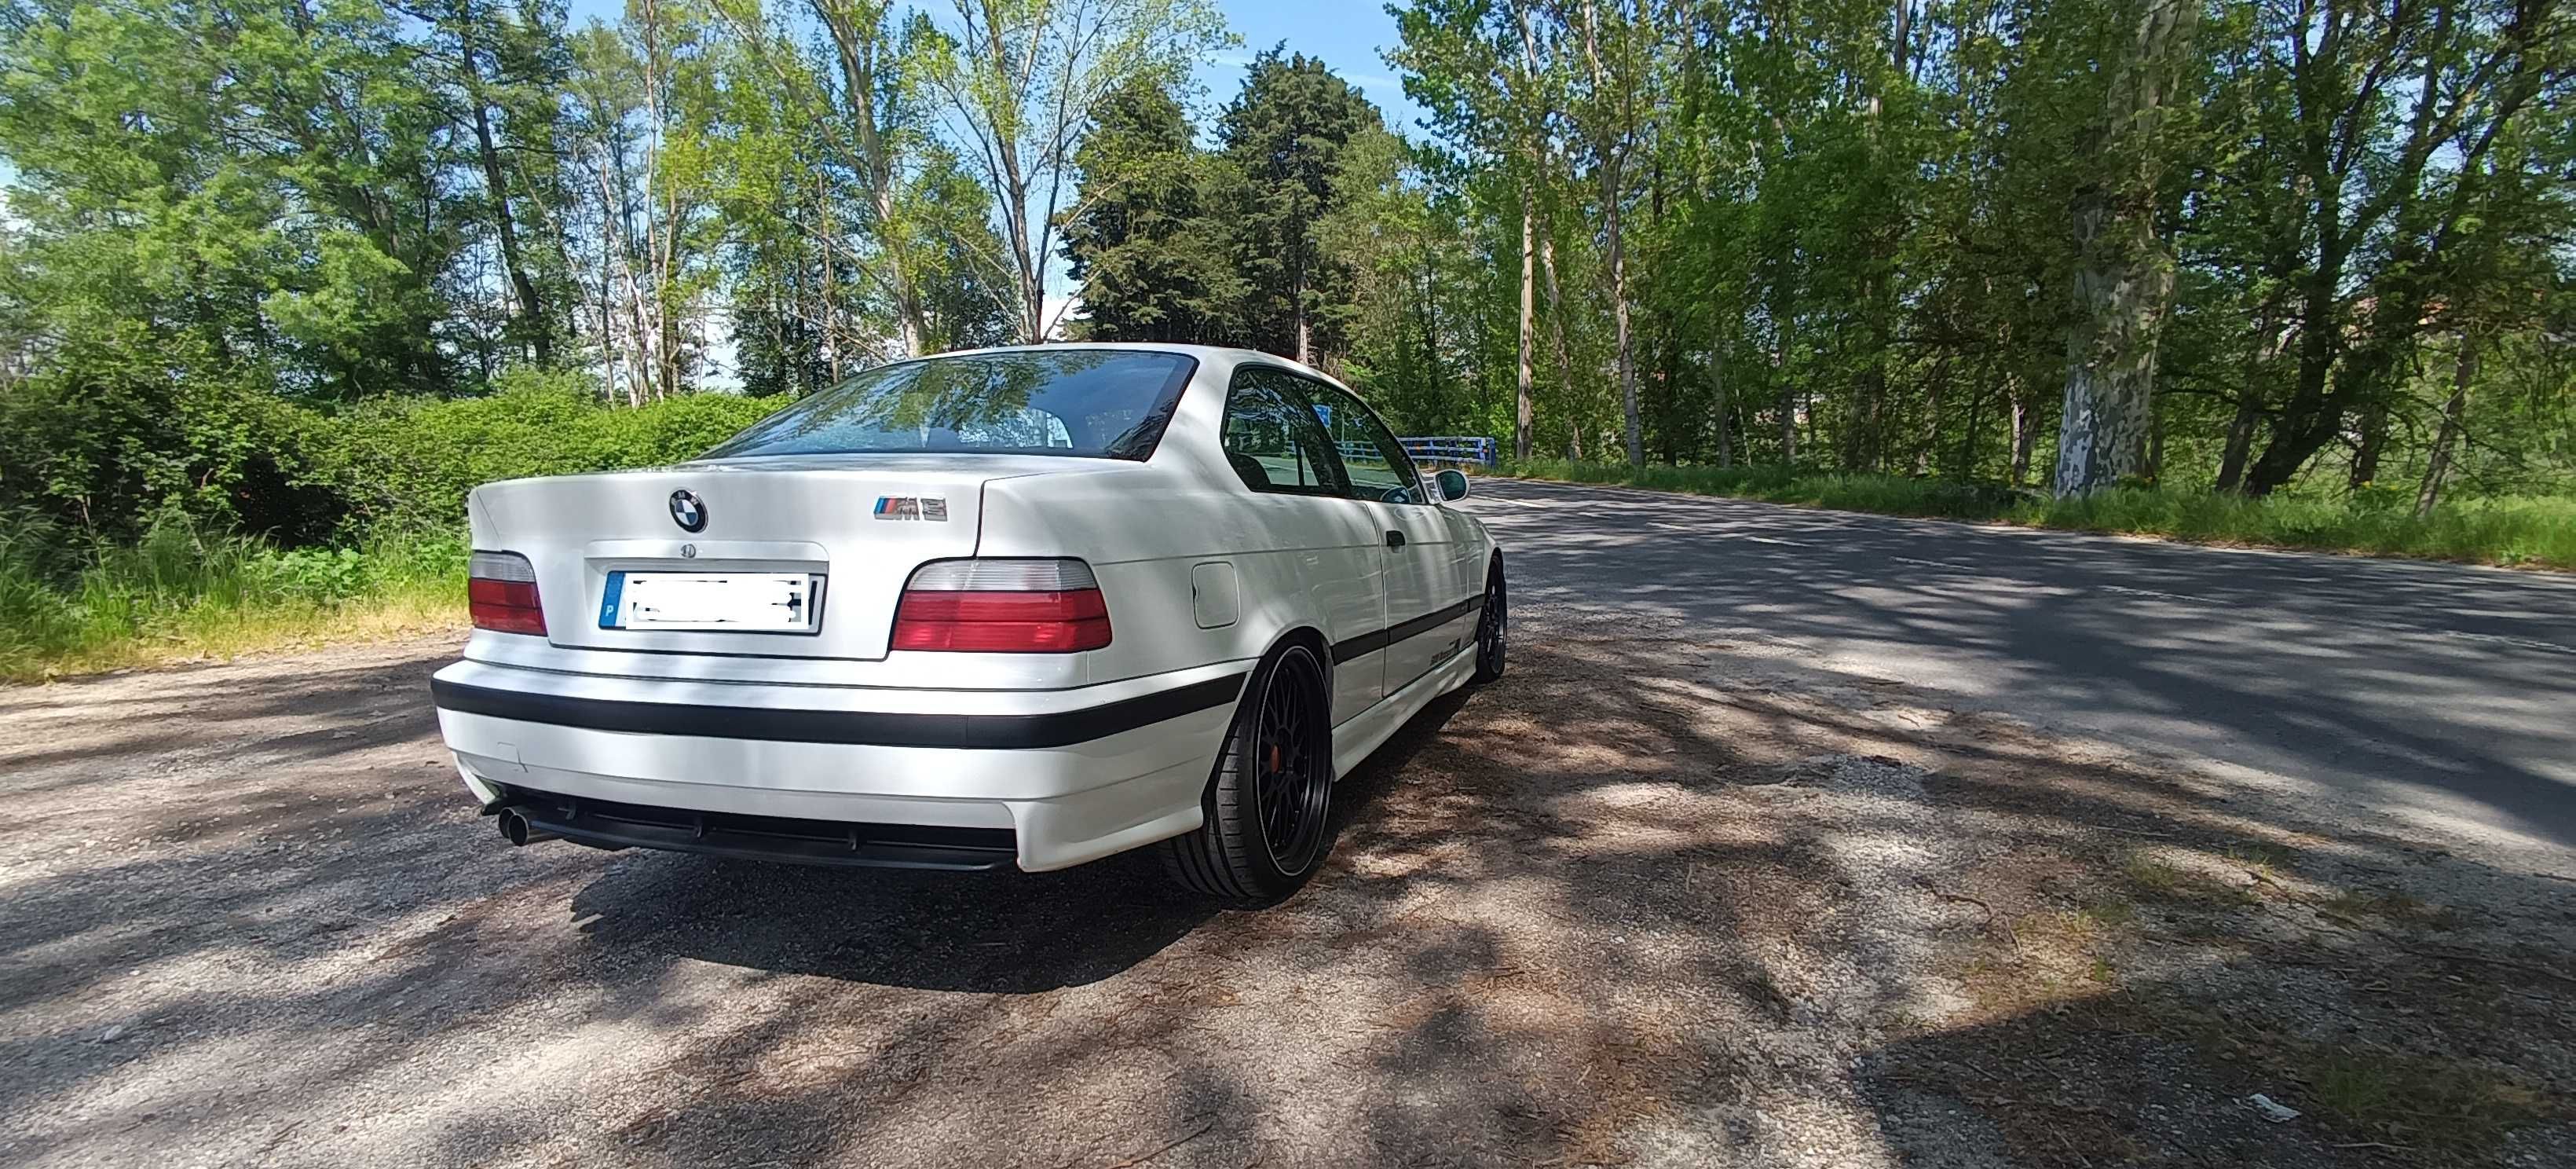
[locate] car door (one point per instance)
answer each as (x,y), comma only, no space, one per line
(1425,623)
(1321,542)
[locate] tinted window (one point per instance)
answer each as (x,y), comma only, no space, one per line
(1273,440)
(1378,466)
(1090,403)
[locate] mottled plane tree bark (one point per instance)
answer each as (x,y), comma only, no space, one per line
(2124,275)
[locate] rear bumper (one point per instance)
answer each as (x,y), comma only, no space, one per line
(1070,775)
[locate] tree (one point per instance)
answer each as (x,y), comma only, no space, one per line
(1023,79)
(2123,277)
(1151,260)
(500,71)
(1283,140)
(2397,111)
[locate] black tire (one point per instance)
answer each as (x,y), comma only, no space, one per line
(1269,802)
(1493,627)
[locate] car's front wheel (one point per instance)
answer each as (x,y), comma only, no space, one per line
(1269,803)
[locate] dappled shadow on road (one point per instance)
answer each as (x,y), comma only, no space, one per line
(2442,687)
(1653,899)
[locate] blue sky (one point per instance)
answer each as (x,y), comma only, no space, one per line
(1347,34)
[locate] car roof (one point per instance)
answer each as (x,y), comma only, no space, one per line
(1226,353)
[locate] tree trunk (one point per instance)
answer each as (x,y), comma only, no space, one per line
(1619,311)
(2438,467)
(1297,310)
(1963,466)
(1717,388)
(2240,443)
(1556,331)
(2123,279)
(857,48)
(830,306)
(2365,453)
(532,318)
(1521,406)
(1931,443)
(1785,326)
(1015,203)
(2022,434)
(2110,350)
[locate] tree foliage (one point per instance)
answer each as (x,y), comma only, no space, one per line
(2314,246)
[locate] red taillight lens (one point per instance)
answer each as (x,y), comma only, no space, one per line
(1002,606)
(501,594)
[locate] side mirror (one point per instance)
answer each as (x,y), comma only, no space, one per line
(1453,484)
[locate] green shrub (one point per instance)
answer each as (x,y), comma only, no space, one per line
(385,481)
(407,466)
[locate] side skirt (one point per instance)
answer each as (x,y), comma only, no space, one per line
(1353,741)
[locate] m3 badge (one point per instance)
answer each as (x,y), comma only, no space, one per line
(907,507)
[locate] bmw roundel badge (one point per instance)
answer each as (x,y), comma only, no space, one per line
(688,511)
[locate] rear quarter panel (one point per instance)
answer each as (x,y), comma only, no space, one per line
(1146,534)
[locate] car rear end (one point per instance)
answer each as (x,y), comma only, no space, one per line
(800,654)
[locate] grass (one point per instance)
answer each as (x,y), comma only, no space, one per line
(184,593)
(2520,531)
(2409,1075)
(2157,880)
(2394,908)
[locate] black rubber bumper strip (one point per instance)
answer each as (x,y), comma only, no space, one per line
(1369,643)
(845,728)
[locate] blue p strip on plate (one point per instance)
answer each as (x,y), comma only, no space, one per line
(608,600)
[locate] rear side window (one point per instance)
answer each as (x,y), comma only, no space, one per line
(1084,403)
(1272,438)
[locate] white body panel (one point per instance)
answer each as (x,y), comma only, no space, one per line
(1095,752)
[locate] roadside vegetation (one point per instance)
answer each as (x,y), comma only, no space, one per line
(367,542)
(184,592)
(2532,531)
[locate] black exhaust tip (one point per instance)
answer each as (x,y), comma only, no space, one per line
(518,831)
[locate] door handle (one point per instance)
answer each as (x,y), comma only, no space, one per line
(1395,539)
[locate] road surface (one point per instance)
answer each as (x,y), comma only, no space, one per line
(1737,865)
(2435,690)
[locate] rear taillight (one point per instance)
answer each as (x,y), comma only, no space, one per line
(1002,606)
(501,593)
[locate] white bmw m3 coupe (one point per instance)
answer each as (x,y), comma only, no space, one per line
(1018,606)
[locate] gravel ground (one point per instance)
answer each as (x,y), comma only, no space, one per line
(1651,900)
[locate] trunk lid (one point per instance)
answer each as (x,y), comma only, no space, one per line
(860,522)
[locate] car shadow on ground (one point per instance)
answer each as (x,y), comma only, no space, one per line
(993,932)
(997,932)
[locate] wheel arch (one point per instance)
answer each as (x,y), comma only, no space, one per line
(1306,635)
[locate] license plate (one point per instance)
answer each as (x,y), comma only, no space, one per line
(748,602)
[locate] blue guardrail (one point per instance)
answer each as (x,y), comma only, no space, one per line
(1455,450)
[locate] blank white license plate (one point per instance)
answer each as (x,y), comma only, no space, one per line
(750,602)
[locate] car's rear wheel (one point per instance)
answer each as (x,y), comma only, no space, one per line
(1269,803)
(1493,626)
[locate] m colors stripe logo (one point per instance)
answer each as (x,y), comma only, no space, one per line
(907,507)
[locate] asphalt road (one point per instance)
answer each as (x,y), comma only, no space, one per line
(2432,690)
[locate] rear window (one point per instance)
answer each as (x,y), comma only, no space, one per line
(1086,403)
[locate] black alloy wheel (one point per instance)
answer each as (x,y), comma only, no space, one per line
(1269,802)
(1292,777)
